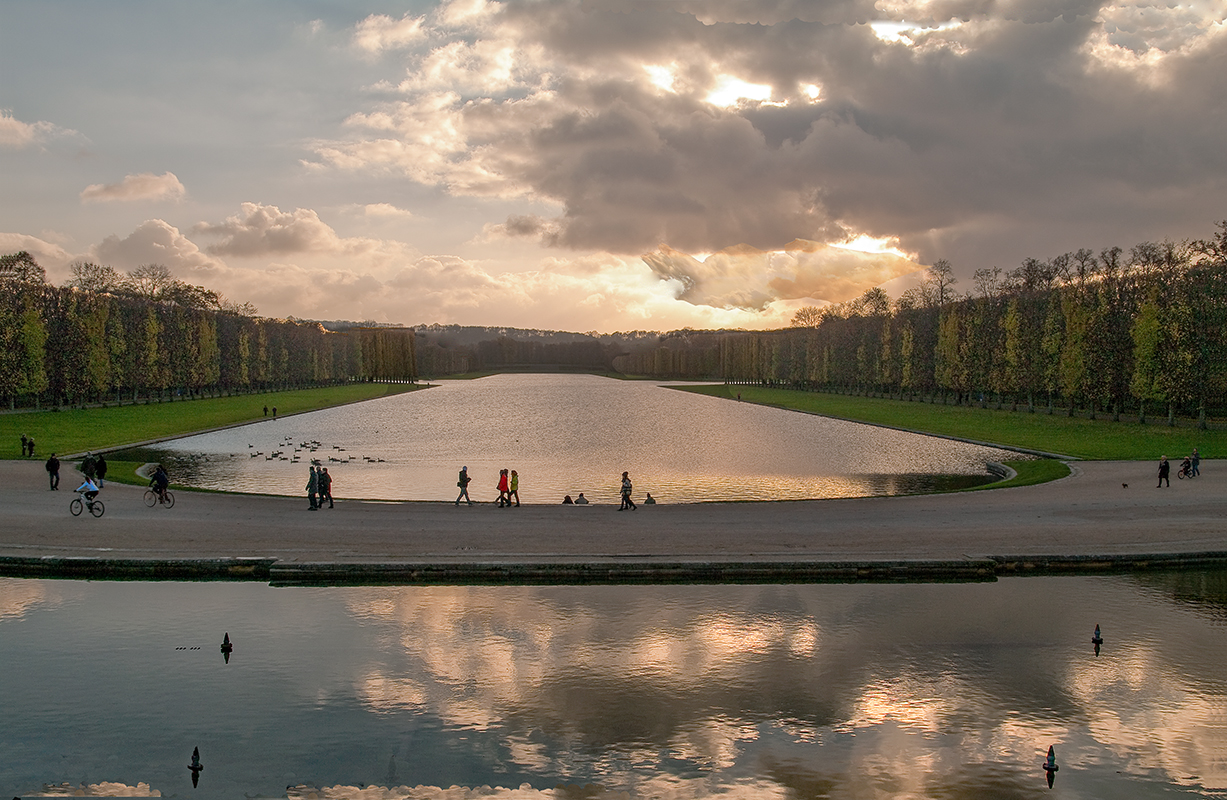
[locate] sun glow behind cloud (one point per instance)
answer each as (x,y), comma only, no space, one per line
(729,91)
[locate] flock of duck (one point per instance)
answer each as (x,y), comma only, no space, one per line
(282,453)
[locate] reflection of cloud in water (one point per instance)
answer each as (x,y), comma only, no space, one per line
(18,596)
(103,789)
(1151,717)
(660,788)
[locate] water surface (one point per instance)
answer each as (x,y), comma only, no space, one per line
(654,691)
(566,434)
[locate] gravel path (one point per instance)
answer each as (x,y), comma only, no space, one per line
(1090,513)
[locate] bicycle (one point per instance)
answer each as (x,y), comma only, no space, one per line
(151,498)
(1185,471)
(80,503)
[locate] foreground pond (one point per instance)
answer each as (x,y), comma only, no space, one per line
(567,434)
(653,691)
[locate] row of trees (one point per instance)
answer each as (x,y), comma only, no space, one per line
(74,345)
(1141,331)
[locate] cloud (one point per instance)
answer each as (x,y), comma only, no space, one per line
(750,279)
(18,135)
(384,210)
(50,257)
(379,32)
(989,127)
(145,186)
(267,230)
(158,242)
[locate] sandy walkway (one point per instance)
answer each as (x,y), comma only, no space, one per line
(1089,513)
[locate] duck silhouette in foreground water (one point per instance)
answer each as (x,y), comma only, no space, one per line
(1050,765)
(227,648)
(196,767)
(1097,640)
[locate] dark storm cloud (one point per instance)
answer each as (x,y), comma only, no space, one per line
(1020,128)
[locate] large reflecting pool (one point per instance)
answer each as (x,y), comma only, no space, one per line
(843,691)
(567,434)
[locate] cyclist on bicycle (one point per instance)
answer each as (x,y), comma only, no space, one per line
(159,482)
(89,490)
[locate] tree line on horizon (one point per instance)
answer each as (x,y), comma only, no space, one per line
(1138,332)
(105,336)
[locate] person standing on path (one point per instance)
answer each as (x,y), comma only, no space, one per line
(627,488)
(1196,463)
(53,472)
(313,487)
(24,441)
(89,465)
(274,412)
(514,488)
(1165,469)
(100,469)
(30,444)
(325,487)
(463,482)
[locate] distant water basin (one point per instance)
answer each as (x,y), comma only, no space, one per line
(566,434)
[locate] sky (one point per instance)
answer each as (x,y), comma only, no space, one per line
(601,165)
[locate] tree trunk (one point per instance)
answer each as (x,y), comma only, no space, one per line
(1171,415)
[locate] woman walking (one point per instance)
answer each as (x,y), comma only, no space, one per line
(514,488)
(504,499)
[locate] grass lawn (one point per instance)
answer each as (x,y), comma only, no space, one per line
(78,430)
(1101,440)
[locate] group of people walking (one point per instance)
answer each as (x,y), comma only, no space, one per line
(509,491)
(27,446)
(319,488)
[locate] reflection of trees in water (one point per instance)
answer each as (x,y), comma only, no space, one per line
(1204,589)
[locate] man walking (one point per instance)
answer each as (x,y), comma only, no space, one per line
(313,487)
(53,472)
(325,487)
(627,488)
(463,482)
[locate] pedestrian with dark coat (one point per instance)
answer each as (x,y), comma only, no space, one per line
(89,466)
(24,441)
(53,472)
(325,487)
(463,482)
(30,444)
(313,487)
(1165,469)
(100,468)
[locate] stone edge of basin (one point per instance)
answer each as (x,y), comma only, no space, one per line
(986,568)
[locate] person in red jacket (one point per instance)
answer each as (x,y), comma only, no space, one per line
(504,498)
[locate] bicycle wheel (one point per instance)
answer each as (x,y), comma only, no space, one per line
(150,498)
(170,500)
(76,506)
(97,509)
(1180,474)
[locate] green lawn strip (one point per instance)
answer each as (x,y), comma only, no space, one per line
(1031,472)
(78,430)
(1100,439)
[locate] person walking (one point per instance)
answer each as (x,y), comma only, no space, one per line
(463,482)
(313,487)
(514,488)
(503,488)
(24,441)
(1165,469)
(1196,463)
(266,411)
(53,472)
(627,488)
(325,487)
(30,445)
(100,469)
(89,466)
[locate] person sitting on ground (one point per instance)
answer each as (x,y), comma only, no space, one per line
(567,501)
(159,483)
(581,500)
(649,500)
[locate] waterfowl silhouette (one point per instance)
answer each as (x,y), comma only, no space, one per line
(227,647)
(1050,765)
(196,767)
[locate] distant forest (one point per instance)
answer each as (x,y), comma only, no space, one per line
(106,336)
(1142,332)
(1139,333)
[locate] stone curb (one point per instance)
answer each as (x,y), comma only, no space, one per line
(971,569)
